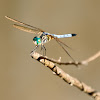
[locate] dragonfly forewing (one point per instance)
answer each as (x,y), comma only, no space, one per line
(26,29)
(16,21)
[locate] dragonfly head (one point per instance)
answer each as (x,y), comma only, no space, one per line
(37,41)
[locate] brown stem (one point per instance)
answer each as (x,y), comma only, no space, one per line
(66,77)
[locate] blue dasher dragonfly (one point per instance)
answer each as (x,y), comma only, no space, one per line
(43,37)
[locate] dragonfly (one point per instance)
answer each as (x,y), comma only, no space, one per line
(43,36)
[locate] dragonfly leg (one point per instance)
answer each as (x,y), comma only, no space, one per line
(44,50)
(34,49)
(41,47)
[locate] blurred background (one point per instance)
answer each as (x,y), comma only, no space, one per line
(23,78)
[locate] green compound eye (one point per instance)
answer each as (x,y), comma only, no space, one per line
(37,40)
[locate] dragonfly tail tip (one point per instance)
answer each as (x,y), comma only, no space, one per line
(74,34)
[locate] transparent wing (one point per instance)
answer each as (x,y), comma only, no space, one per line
(26,29)
(61,44)
(33,28)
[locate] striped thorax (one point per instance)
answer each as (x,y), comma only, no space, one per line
(42,39)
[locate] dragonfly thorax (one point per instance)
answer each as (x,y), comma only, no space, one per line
(37,41)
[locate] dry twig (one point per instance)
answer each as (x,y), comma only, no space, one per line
(66,77)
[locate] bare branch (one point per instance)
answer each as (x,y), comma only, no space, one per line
(92,58)
(76,63)
(66,77)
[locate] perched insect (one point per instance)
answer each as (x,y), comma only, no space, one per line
(43,37)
